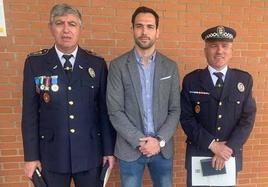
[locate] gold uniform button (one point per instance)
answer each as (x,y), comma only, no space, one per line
(220,116)
(92,86)
(238,102)
(220,103)
(72,130)
(71,116)
(219,128)
(71,102)
(69,88)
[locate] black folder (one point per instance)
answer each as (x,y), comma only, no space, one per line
(37,179)
(208,170)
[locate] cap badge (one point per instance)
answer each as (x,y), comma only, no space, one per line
(220,31)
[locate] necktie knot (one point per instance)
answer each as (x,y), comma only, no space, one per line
(67,57)
(218,74)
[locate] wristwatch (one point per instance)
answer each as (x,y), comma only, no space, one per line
(161,140)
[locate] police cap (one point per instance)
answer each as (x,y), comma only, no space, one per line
(219,33)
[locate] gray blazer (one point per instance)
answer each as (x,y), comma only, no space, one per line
(125,106)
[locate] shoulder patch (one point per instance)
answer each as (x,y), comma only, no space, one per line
(39,53)
(93,53)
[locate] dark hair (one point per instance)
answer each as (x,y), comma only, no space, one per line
(144,9)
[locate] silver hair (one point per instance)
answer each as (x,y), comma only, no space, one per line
(64,9)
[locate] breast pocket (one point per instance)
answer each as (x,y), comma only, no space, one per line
(89,91)
(235,106)
(165,83)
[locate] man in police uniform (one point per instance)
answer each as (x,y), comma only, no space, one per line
(218,110)
(65,126)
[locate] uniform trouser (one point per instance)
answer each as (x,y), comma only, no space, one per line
(189,180)
(90,178)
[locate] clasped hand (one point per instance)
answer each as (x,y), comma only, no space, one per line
(222,153)
(149,146)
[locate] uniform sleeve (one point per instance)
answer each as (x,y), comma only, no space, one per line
(30,115)
(108,132)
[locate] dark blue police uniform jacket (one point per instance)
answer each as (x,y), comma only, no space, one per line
(204,117)
(67,130)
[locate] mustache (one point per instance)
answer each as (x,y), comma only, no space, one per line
(144,37)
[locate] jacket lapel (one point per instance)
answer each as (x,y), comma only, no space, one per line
(54,65)
(207,84)
(135,78)
(78,66)
(228,84)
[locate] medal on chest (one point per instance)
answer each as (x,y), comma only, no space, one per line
(46,97)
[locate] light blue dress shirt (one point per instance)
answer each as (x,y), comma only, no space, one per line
(147,80)
(214,77)
(62,60)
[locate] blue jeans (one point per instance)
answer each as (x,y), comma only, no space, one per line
(160,169)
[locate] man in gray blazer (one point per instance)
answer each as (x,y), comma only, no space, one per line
(143,101)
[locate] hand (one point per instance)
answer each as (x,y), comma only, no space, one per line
(30,167)
(110,160)
(218,162)
(221,150)
(142,143)
(149,146)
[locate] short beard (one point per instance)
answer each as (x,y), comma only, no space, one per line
(144,46)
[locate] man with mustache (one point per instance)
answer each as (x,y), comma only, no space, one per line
(144,105)
(217,107)
(65,126)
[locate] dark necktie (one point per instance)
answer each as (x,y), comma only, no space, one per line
(219,83)
(68,66)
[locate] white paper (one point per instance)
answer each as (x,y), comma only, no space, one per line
(107,175)
(2,20)
(228,179)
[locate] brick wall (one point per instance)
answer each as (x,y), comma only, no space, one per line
(107,32)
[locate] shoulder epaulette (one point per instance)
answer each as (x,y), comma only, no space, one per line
(239,70)
(196,70)
(39,53)
(93,53)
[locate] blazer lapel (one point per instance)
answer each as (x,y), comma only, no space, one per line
(135,78)
(157,75)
